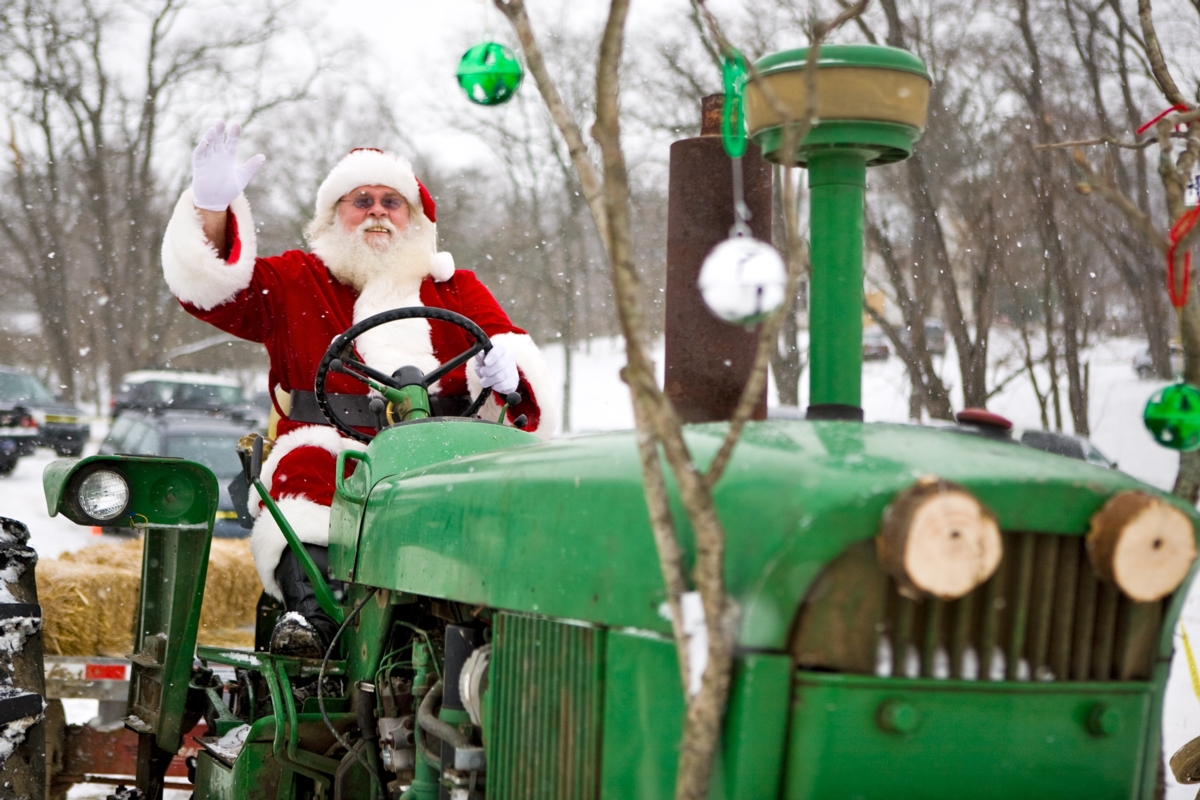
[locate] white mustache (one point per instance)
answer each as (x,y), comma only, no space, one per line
(374,225)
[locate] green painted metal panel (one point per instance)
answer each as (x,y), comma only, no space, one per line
(837,179)
(546,697)
(400,449)
(643,722)
(561,528)
(216,778)
(163,491)
(643,717)
(880,738)
(174,567)
(173,501)
(843,55)
(756,726)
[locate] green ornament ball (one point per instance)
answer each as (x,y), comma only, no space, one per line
(489,73)
(1173,416)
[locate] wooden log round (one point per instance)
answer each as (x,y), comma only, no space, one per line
(1142,544)
(937,539)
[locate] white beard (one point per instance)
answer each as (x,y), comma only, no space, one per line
(386,278)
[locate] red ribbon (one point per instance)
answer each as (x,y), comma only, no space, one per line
(1171,110)
(1186,221)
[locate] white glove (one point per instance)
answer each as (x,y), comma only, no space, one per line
(497,369)
(217,180)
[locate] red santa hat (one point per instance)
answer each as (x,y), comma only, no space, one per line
(370,166)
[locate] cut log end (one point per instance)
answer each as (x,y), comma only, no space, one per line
(1142,544)
(937,539)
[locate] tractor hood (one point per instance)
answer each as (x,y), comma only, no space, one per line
(561,529)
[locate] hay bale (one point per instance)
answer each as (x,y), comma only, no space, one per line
(231,594)
(87,611)
(89,598)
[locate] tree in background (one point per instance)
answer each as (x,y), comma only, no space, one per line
(95,91)
(1177,136)
(606,188)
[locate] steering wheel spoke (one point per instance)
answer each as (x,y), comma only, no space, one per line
(338,359)
(350,367)
(454,363)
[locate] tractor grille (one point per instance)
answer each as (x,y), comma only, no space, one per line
(545,727)
(1043,616)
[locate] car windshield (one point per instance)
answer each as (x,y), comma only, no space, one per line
(16,388)
(215,451)
(181,395)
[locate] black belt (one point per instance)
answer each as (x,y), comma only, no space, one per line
(355,409)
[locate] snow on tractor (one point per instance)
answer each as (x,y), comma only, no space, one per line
(935,613)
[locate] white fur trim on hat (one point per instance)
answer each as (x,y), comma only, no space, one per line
(322,436)
(369,168)
(309,520)
(194,272)
(533,369)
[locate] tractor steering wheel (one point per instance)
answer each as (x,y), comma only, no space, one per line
(341,349)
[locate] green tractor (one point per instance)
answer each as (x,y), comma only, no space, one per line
(923,613)
(502,633)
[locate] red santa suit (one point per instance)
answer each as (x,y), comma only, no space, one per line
(294,305)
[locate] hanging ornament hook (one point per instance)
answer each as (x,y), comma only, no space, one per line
(733,135)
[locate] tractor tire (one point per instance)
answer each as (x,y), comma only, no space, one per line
(22,676)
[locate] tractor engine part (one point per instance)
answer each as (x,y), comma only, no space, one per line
(1142,544)
(473,682)
(397,742)
(937,539)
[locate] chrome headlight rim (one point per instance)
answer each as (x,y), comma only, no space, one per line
(86,480)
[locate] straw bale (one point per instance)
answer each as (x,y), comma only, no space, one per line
(89,598)
(85,610)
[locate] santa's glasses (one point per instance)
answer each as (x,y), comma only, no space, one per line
(366,203)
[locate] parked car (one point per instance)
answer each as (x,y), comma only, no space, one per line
(60,425)
(1144,366)
(18,434)
(179,390)
(935,336)
(980,422)
(1063,444)
(209,439)
(875,346)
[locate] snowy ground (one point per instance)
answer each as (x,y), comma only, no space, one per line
(601,402)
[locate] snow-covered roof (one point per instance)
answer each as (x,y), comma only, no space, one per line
(178,376)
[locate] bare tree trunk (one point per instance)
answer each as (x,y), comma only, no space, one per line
(1042,187)
(608,195)
(787,364)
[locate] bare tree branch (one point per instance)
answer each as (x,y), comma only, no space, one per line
(514,11)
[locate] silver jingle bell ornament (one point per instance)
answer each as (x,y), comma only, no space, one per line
(743,280)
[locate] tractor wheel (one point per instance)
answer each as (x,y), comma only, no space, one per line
(22,680)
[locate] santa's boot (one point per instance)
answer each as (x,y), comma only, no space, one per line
(305,631)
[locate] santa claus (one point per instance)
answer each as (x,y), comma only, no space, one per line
(373,243)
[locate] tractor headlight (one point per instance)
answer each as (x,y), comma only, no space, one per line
(103,495)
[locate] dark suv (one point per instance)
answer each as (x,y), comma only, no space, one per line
(60,425)
(205,438)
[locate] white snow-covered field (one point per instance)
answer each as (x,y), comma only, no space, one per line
(601,402)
